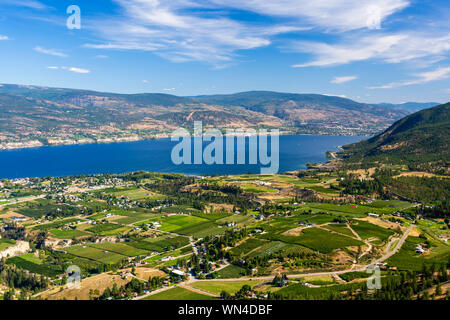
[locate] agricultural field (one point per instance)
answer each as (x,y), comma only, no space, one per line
(92,253)
(6,243)
(368,230)
(35,265)
(231,271)
(340,228)
(119,248)
(217,287)
(107,229)
(408,259)
(67,234)
(178,293)
(179,222)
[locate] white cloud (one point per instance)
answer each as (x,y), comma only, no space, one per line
(71,69)
(390,48)
(344,79)
(334,14)
(183,30)
(144,81)
(101,56)
(2,37)
(51,52)
(169,89)
(33,4)
(424,77)
(78,70)
(335,95)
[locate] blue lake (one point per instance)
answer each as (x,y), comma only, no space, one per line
(153,155)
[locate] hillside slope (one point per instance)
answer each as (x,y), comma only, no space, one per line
(420,141)
(33,115)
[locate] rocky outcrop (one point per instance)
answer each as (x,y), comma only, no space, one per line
(21,247)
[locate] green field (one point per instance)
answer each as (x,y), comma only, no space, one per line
(217,287)
(368,230)
(318,239)
(67,234)
(340,228)
(107,229)
(99,255)
(178,222)
(247,246)
(159,244)
(178,293)
(6,243)
(231,271)
(55,225)
(35,265)
(120,248)
(408,259)
(257,189)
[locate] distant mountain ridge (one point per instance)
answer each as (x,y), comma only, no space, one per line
(410,106)
(421,141)
(34,115)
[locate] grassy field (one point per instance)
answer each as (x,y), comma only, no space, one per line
(368,230)
(231,271)
(178,222)
(54,225)
(67,234)
(341,228)
(107,229)
(100,255)
(247,246)
(6,243)
(408,259)
(120,248)
(159,244)
(35,265)
(256,189)
(319,240)
(178,293)
(217,287)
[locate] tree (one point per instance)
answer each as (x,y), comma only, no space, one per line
(225,295)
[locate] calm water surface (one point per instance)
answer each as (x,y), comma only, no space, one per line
(152,155)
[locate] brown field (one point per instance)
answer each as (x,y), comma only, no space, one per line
(416,174)
(100,283)
(382,223)
(145,273)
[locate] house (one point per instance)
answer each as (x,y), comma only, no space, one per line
(370,214)
(260,217)
(178,272)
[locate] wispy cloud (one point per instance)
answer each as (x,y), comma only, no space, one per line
(329,14)
(51,52)
(33,4)
(78,70)
(343,79)
(390,48)
(71,69)
(424,77)
(181,30)
(2,37)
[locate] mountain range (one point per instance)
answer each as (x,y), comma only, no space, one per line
(421,141)
(33,115)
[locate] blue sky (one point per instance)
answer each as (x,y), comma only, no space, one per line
(366,50)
